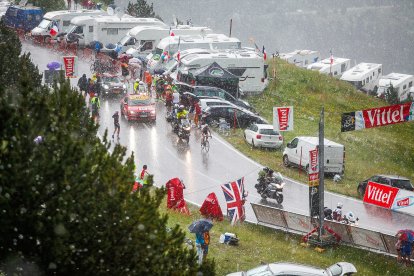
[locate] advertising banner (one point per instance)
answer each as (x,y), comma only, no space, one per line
(283,118)
(380,195)
(71,66)
(404,201)
(377,117)
(313,182)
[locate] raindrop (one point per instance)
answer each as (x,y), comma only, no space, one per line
(127,218)
(52,266)
(60,229)
(141,227)
(23,210)
(21,236)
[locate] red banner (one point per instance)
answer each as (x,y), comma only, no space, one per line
(211,208)
(174,193)
(313,160)
(70,66)
(313,179)
(283,118)
(386,115)
(283,113)
(380,195)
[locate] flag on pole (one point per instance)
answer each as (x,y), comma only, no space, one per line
(331,58)
(54,30)
(178,52)
(235,197)
(171,32)
(264,53)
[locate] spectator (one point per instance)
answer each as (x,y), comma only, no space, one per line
(83,85)
(197,113)
(199,246)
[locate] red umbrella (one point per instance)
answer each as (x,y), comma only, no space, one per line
(406,235)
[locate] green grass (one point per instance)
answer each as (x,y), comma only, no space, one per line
(382,150)
(261,244)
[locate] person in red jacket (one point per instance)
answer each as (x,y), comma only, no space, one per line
(197,113)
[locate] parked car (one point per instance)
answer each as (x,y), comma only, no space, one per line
(210,101)
(389,180)
(138,107)
(338,269)
(233,115)
(213,92)
(112,85)
(263,136)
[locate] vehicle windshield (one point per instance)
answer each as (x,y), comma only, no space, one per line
(111,79)
(75,29)
(139,101)
(357,84)
(268,132)
(401,183)
(44,24)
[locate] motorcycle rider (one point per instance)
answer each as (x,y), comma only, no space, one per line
(337,213)
(181,114)
(350,219)
(327,213)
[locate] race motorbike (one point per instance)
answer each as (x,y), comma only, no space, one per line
(271,187)
(184,130)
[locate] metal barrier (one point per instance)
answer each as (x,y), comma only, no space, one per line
(351,235)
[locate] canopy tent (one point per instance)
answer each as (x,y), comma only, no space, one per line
(213,75)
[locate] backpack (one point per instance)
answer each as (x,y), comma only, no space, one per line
(206,238)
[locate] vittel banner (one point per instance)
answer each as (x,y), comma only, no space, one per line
(71,66)
(283,118)
(380,195)
(377,117)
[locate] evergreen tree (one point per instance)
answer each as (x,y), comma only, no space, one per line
(65,200)
(391,95)
(142,9)
(48,5)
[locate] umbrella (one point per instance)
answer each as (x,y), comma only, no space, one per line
(54,65)
(200,226)
(92,44)
(406,235)
(110,46)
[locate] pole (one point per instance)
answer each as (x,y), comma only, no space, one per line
(321,172)
(231,25)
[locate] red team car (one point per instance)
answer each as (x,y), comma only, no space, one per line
(138,107)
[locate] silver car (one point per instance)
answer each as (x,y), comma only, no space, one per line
(112,85)
(292,269)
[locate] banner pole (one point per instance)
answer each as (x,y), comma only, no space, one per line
(321,162)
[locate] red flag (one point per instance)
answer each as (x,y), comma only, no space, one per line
(331,58)
(211,207)
(54,30)
(264,53)
(178,55)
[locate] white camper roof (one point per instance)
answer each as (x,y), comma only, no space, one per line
(83,19)
(315,141)
(53,14)
(326,63)
(210,38)
(115,19)
(359,71)
(221,54)
(299,53)
(136,30)
(395,79)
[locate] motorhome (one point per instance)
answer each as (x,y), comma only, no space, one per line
(364,76)
(249,66)
(61,19)
(171,44)
(297,153)
(401,83)
(22,17)
(335,68)
(141,40)
(105,29)
(301,58)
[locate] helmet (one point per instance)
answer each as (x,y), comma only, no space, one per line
(270,171)
(266,169)
(350,217)
(141,83)
(182,106)
(176,106)
(339,205)
(137,80)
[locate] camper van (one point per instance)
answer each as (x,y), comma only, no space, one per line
(335,69)
(171,45)
(62,19)
(105,29)
(297,153)
(23,18)
(247,65)
(401,83)
(141,40)
(364,76)
(301,58)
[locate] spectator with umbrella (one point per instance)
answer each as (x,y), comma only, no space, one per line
(201,229)
(405,244)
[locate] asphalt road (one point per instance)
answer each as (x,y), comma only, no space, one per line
(159,148)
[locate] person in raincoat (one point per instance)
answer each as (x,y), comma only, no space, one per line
(199,246)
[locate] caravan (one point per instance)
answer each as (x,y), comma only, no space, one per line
(335,68)
(141,40)
(61,19)
(247,65)
(364,76)
(170,45)
(23,17)
(301,58)
(105,29)
(402,84)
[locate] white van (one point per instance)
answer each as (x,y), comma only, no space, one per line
(297,153)
(62,19)
(401,83)
(141,40)
(301,58)
(336,69)
(106,29)
(172,44)
(364,76)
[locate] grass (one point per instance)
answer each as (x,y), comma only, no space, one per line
(382,150)
(261,244)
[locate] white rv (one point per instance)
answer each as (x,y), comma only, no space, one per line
(297,153)
(247,65)
(364,76)
(62,19)
(141,40)
(301,58)
(171,45)
(106,29)
(336,69)
(401,83)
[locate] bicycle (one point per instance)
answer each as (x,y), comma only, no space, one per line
(205,144)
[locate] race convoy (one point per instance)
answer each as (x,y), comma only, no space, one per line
(138,107)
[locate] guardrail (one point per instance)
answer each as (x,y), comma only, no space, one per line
(355,236)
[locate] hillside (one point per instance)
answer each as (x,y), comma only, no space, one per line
(385,150)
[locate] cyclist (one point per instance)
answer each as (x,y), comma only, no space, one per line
(116,124)
(205,132)
(95,104)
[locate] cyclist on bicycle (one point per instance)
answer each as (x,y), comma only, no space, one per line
(205,132)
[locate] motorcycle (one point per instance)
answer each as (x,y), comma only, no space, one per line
(184,130)
(271,187)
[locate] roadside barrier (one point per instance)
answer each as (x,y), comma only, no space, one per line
(355,236)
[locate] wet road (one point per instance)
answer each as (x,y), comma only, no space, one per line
(159,148)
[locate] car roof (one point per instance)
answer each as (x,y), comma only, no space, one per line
(236,107)
(296,269)
(392,176)
(264,126)
(138,96)
(216,99)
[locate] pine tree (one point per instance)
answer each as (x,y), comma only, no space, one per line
(142,9)
(48,5)
(66,203)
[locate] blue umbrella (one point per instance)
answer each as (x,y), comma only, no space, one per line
(54,65)
(200,226)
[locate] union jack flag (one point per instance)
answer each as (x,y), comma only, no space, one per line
(235,197)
